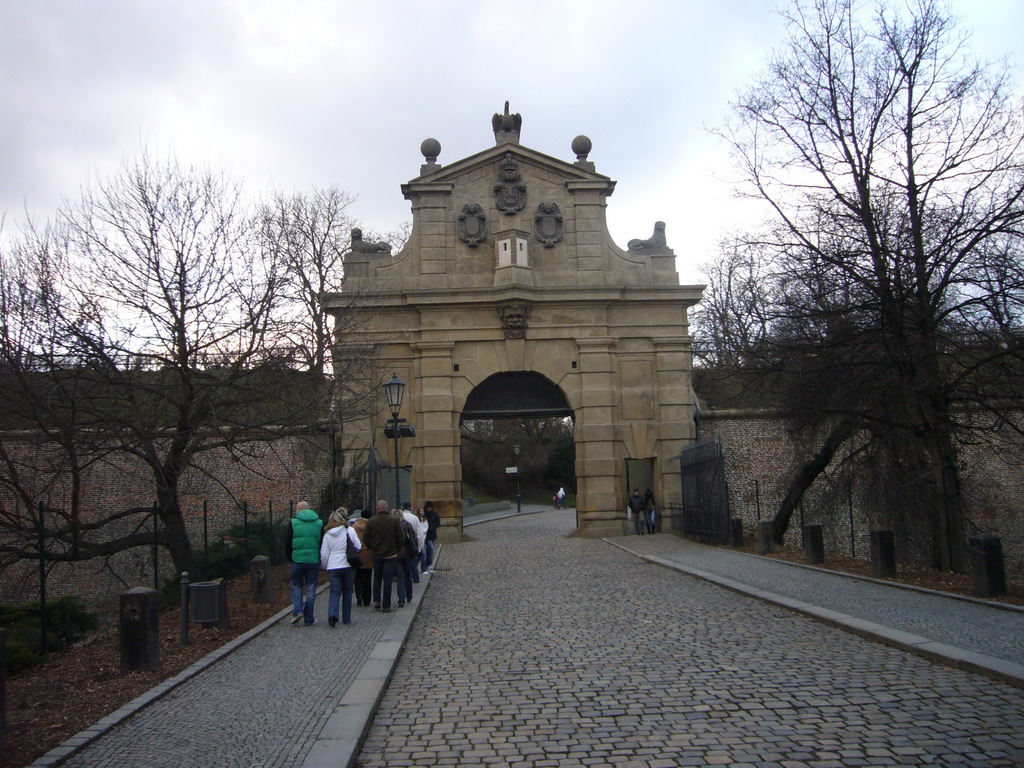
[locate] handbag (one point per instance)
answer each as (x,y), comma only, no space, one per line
(412,550)
(351,553)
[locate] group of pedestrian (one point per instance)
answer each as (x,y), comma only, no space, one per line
(403,545)
(361,556)
(643,511)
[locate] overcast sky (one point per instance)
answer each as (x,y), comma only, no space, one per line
(292,95)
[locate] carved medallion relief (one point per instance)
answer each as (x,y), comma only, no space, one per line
(472,224)
(509,192)
(547,224)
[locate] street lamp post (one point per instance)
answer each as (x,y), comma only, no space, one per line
(373,470)
(519,498)
(394,390)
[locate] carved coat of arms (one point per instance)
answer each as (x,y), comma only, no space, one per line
(547,224)
(509,192)
(472,224)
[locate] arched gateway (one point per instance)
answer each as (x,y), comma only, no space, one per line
(510,291)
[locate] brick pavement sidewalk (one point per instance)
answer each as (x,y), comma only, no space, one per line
(280,695)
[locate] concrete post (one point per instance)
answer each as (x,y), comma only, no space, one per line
(140,630)
(764,537)
(736,532)
(261,579)
(183,624)
(3,688)
(986,556)
(883,554)
(223,619)
(815,543)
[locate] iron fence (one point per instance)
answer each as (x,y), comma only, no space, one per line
(704,512)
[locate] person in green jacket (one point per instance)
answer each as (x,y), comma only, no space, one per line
(303,550)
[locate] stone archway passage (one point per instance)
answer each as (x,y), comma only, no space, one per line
(518,393)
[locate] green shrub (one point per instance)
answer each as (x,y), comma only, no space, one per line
(227,560)
(67,622)
(229,556)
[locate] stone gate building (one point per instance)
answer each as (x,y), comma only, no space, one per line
(510,298)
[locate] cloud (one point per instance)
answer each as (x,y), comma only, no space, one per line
(322,92)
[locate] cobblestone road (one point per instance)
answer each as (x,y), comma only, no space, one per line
(535,650)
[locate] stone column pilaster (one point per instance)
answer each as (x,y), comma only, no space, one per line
(598,464)
(674,411)
(437,467)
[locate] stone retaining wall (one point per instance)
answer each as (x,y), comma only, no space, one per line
(270,478)
(759,454)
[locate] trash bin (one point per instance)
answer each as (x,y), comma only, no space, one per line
(204,601)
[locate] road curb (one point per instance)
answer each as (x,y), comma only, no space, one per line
(341,738)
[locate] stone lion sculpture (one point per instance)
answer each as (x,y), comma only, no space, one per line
(653,243)
(359,246)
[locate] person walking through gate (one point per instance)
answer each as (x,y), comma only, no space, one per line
(419,531)
(302,548)
(433,523)
(334,560)
(637,509)
(364,574)
(417,538)
(422,527)
(403,570)
(384,535)
(650,511)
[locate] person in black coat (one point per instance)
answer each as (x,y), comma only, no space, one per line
(650,511)
(433,523)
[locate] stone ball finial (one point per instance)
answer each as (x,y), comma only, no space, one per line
(430,149)
(582,145)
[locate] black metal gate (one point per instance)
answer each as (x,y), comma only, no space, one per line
(704,513)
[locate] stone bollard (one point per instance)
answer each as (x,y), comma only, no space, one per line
(986,555)
(140,630)
(3,688)
(764,537)
(261,579)
(815,547)
(736,532)
(883,554)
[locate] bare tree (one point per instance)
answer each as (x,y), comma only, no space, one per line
(158,342)
(41,393)
(309,236)
(734,313)
(487,449)
(894,169)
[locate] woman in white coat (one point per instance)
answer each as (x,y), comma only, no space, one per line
(334,560)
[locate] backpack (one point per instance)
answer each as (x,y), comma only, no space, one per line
(412,549)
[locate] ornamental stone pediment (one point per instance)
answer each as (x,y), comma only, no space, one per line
(510,296)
